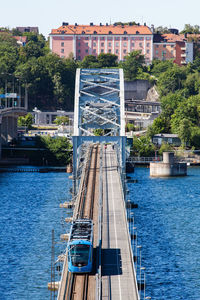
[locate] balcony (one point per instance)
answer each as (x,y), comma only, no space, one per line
(183,62)
(183,48)
(183,55)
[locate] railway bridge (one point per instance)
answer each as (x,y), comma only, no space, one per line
(99,191)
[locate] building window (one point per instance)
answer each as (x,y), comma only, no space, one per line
(109,50)
(148,38)
(124,51)
(86,38)
(172,52)
(172,46)
(79,50)
(94,38)
(94,44)
(117,51)
(102,38)
(102,50)
(117,39)
(62,56)
(86,50)
(86,44)
(109,44)
(141,38)
(147,51)
(79,44)
(62,50)
(62,38)
(117,44)
(62,44)
(133,45)
(133,38)
(157,46)
(148,44)
(140,44)
(164,46)
(109,38)
(124,38)
(79,37)
(102,44)
(125,44)
(79,58)
(156,52)
(94,51)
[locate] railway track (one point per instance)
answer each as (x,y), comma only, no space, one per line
(82,286)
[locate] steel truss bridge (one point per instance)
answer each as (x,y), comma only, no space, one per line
(99,109)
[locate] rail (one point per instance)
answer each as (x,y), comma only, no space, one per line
(69,278)
(137,159)
(77,286)
(98,276)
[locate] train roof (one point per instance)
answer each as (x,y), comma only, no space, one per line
(82,229)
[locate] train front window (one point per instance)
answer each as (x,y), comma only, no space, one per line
(79,255)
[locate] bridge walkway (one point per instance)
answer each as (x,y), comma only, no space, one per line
(118,275)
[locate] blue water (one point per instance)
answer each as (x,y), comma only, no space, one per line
(29,211)
(167,221)
(168,228)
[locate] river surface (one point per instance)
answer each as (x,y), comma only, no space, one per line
(168,229)
(167,221)
(29,211)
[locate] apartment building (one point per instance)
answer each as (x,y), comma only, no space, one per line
(82,40)
(172,46)
(28,29)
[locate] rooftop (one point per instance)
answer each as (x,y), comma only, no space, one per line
(102,29)
(168,38)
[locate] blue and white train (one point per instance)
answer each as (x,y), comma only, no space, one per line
(80,246)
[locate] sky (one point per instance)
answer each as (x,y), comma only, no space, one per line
(50,14)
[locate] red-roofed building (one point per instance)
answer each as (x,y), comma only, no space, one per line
(82,40)
(173,46)
(21,40)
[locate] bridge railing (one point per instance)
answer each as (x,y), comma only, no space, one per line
(137,159)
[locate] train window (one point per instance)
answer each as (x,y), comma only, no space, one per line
(79,255)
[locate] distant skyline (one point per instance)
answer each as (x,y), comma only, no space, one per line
(50,14)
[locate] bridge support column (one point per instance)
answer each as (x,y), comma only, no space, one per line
(9,129)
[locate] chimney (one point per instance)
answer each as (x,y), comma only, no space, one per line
(76,24)
(100,24)
(91,24)
(65,24)
(152,28)
(145,24)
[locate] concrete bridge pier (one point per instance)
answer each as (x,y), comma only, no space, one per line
(8,129)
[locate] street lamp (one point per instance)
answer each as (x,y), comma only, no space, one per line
(140,249)
(142,268)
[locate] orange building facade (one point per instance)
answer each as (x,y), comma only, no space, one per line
(82,40)
(173,46)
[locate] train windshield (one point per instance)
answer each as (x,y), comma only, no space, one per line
(79,255)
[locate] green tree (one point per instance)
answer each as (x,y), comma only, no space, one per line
(57,149)
(142,146)
(107,60)
(129,127)
(184,131)
(89,61)
(26,121)
(98,132)
(158,67)
(61,120)
(191,29)
(165,147)
(161,125)
(171,80)
(133,65)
